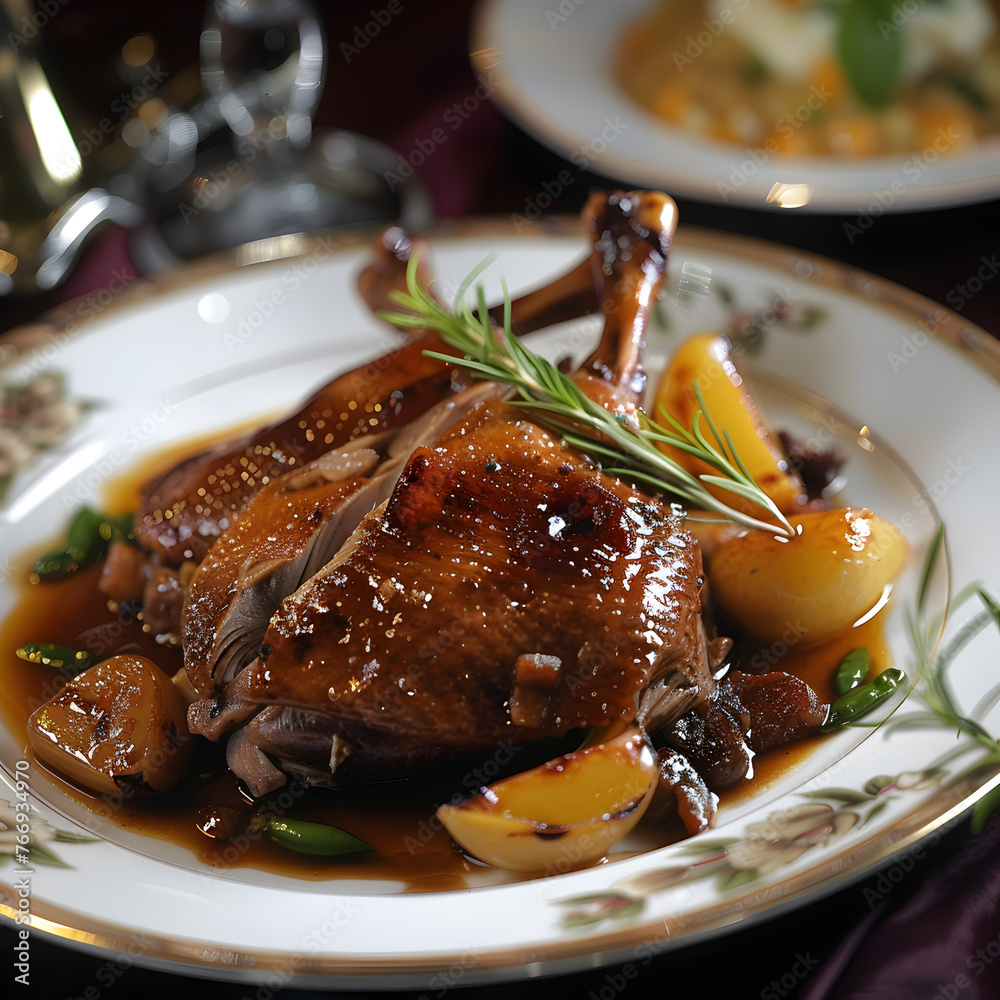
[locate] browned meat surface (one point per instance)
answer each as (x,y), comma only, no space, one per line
(263,557)
(573,294)
(747,714)
(185,510)
(289,531)
(681,793)
(508,590)
(496,543)
(192,504)
(317,745)
(184,513)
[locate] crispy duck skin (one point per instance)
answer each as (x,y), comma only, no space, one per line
(508,589)
(289,531)
(261,558)
(498,547)
(186,511)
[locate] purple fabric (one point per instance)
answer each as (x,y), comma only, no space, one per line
(939,940)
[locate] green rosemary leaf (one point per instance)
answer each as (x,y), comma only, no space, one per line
(464,285)
(558,401)
(704,414)
(991,605)
(490,371)
(983,808)
(737,461)
(930,562)
(986,702)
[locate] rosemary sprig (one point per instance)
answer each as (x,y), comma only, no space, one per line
(935,652)
(935,655)
(628,443)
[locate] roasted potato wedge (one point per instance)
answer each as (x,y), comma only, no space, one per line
(562,815)
(704,360)
(121,723)
(812,586)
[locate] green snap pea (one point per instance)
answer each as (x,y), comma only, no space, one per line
(314,838)
(53,655)
(56,565)
(87,539)
(852,670)
(861,700)
(83,536)
(117,527)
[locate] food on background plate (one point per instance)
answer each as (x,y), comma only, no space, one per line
(848,78)
(464,547)
(33,417)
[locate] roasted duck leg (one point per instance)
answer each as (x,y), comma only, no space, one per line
(507,590)
(296,522)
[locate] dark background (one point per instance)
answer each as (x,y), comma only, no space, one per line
(397,90)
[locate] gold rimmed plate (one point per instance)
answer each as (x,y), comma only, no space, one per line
(838,357)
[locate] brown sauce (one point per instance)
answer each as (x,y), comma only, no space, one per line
(397,820)
(814,663)
(209,814)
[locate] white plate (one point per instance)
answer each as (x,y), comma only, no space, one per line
(549,67)
(225,347)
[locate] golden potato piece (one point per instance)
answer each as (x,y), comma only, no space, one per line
(704,360)
(121,723)
(562,815)
(817,584)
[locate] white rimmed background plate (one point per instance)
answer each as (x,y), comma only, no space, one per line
(553,76)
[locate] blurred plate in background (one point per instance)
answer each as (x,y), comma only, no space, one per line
(550,69)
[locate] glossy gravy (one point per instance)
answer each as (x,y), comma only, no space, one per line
(211,816)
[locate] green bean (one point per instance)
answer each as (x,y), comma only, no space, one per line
(118,527)
(55,565)
(87,539)
(84,535)
(56,656)
(853,669)
(856,703)
(314,838)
